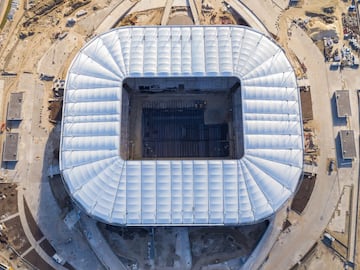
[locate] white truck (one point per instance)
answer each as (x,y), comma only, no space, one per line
(57,258)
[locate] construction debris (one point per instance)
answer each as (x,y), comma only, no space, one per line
(311,146)
(44,7)
(74,5)
(348,59)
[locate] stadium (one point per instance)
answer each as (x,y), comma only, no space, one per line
(181,125)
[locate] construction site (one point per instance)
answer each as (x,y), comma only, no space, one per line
(41,228)
(188,118)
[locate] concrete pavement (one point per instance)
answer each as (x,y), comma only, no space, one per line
(115,15)
(194,11)
(30,172)
(165,16)
(293,245)
(34,244)
(349,79)
(99,244)
(248,15)
(267,11)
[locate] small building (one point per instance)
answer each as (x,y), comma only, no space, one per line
(10,148)
(14,107)
(343,103)
(347,141)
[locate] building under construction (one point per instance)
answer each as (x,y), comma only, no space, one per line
(183,125)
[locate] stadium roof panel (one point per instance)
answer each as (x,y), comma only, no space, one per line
(181,192)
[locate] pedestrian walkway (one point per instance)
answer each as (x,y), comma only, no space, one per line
(194,12)
(166,13)
(99,244)
(8,217)
(30,237)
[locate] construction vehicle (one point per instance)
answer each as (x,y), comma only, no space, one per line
(2,128)
(4,267)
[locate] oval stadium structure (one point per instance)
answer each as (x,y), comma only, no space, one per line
(183,125)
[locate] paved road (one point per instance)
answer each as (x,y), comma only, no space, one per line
(3,6)
(99,245)
(349,79)
(247,15)
(267,11)
(115,15)
(291,247)
(166,13)
(34,185)
(194,11)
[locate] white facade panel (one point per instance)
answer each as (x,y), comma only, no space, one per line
(150,52)
(176,51)
(181,192)
(188,192)
(148,192)
(216,191)
(176,191)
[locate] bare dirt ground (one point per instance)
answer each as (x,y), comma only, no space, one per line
(8,199)
(302,196)
(148,17)
(321,258)
(37,261)
(8,258)
(215,12)
(315,21)
(26,41)
(28,53)
(35,230)
(16,235)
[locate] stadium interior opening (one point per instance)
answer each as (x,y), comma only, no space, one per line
(181,118)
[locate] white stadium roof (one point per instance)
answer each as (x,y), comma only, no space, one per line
(181,192)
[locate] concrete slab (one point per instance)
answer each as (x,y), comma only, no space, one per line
(72,218)
(14,107)
(166,13)
(338,222)
(10,147)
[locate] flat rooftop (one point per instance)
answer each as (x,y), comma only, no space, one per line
(10,148)
(14,107)
(342,103)
(347,141)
